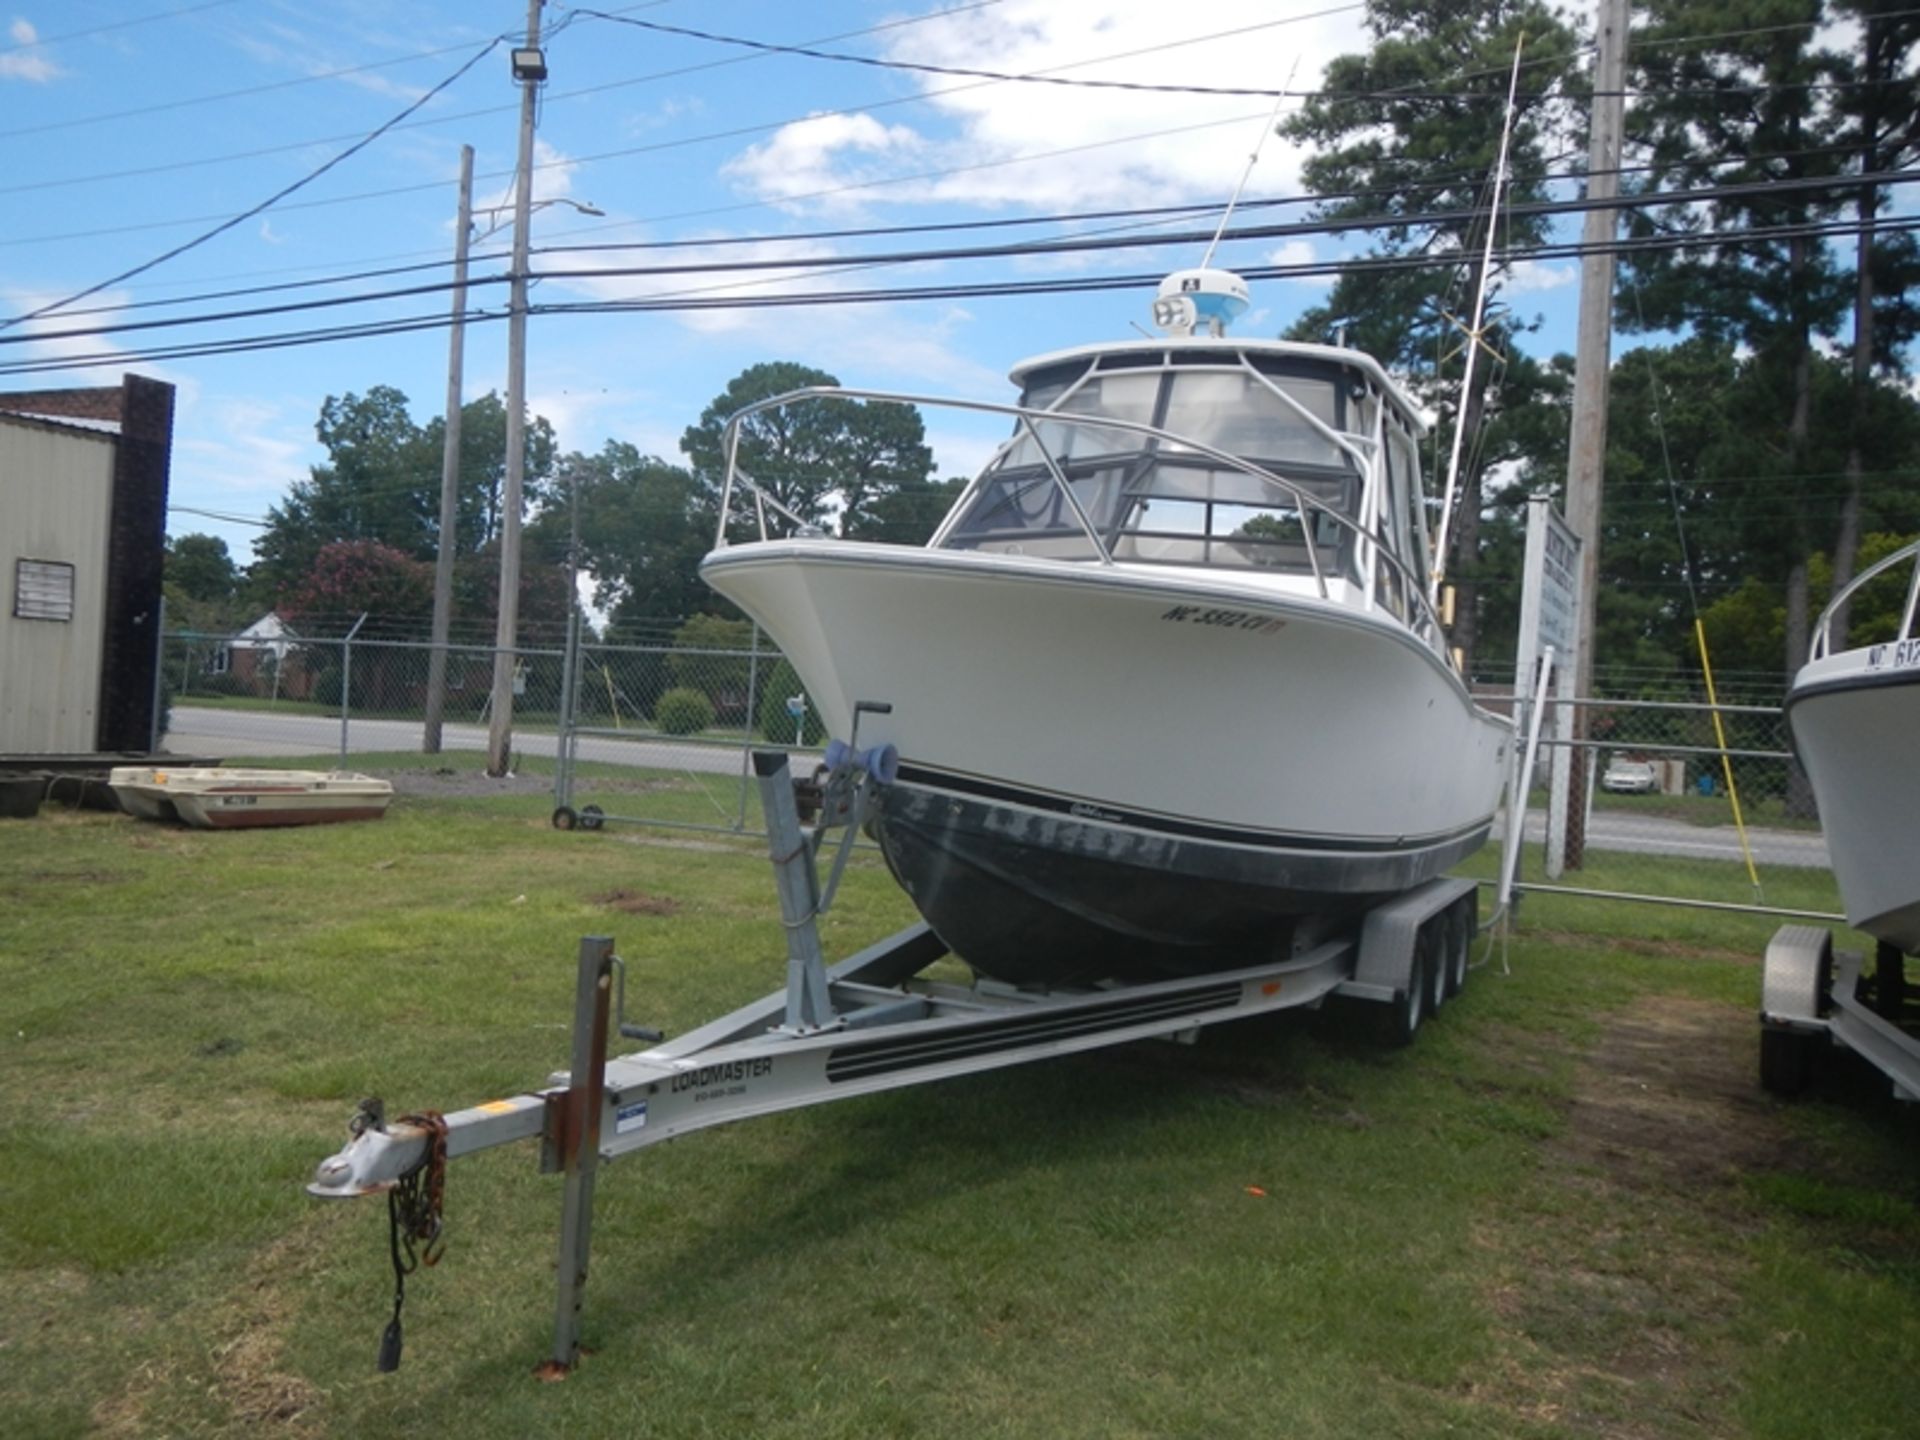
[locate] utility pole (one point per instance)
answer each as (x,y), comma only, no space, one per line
(1587,449)
(529,69)
(449,470)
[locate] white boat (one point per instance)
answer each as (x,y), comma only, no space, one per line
(1168,676)
(139,793)
(227,798)
(1855,720)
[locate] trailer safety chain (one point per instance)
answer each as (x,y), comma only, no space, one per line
(416,1231)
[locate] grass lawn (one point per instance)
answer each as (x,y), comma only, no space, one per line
(1566,1211)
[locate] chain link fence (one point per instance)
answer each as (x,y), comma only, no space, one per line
(1674,802)
(1660,800)
(656,734)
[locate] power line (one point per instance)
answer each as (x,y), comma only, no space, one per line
(1040,77)
(1022,249)
(297,145)
(187,103)
(1037,77)
(692,301)
(42,40)
(249,213)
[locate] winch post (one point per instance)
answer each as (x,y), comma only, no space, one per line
(809,1004)
(578,1116)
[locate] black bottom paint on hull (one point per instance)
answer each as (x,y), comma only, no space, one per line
(1045,900)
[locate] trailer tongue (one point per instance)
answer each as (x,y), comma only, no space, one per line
(872,1022)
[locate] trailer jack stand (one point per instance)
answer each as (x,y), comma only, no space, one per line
(575,1139)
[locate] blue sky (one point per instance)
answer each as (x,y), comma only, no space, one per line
(129,127)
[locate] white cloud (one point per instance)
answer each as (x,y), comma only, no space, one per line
(1532,277)
(241,448)
(1074,146)
(792,266)
(27,62)
(1299,252)
(50,343)
(812,158)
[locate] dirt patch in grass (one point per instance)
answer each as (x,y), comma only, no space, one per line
(1661,949)
(245,1373)
(1620,1290)
(636,902)
(1670,1099)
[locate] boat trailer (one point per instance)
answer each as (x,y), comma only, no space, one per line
(871,1022)
(1812,993)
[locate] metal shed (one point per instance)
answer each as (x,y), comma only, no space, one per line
(83,506)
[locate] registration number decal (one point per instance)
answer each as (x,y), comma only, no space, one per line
(1901,655)
(1223,619)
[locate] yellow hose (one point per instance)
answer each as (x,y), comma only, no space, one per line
(1726,760)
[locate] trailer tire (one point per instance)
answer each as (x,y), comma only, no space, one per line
(1409,1006)
(564,818)
(1439,960)
(592,817)
(1786,1060)
(1461,923)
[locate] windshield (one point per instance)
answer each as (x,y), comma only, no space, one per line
(1155,498)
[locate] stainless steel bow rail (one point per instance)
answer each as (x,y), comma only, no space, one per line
(869,1023)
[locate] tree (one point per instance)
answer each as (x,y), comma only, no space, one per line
(1880,123)
(1738,108)
(816,457)
(481,488)
(198,567)
(644,524)
(382,483)
(906,515)
(355,577)
(1412,127)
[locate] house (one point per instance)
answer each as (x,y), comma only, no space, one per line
(83,525)
(266,659)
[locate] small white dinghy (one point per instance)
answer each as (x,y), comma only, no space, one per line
(236,799)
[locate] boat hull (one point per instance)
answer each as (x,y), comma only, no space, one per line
(1119,773)
(232,799)
(1855,721)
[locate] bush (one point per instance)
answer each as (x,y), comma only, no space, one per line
(775,723)
(683,712)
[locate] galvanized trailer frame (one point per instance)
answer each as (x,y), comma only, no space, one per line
(875,1022)
(1811,992)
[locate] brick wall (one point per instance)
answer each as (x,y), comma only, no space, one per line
(102,404)
(136,557)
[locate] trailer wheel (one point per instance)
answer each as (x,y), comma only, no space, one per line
(564,818)
(1409,1006)
(1439,960)
(592,817)
(1786,1060)
(1460,927)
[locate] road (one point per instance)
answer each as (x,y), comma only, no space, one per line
(204,731)
(1632,834)
(198,730)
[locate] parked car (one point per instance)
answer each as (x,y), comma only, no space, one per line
(1629,777)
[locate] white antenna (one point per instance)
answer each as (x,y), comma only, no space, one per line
(1252,160)
(1474,341)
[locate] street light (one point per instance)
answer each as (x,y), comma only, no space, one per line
(495,227)
(529,70)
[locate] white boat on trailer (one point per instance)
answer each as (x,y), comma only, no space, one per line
(883,1019)
(1854,716)
(1169,676)
(231,798)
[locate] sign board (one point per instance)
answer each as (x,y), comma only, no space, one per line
(1549,593)
(1550,618)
